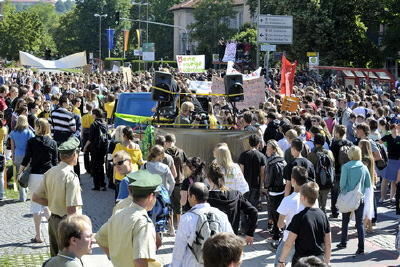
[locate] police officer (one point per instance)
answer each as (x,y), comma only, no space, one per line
(60,190)
(129,237)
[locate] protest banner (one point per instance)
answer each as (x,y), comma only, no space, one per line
(127,74)
(290,104)
(191,64)
(230,52)
(254,91)
(200,87)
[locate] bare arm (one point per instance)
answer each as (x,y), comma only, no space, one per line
(242,168)
(262,175)
(288,246)
(140,263)
(39,200)
(288,188)
(184,195)
(71,210)
(173,171)
(377,155)
(281,221)
(327,247)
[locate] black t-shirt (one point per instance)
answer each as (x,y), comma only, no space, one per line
(335,148)
(310,225)
(303,162)
(393,146)
(252,160)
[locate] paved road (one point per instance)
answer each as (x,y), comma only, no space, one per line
(17,230)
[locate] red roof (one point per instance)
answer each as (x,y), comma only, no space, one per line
(190,4)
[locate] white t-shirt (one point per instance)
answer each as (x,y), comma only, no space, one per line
(289,207)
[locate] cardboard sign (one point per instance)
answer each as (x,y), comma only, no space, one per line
(191,64)
(254,91)
(290,103)
(127,73)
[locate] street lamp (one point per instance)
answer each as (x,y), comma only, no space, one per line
(100,16)
(147,16)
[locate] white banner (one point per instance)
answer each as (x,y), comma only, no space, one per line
(200,87)
(72,61)
(191,64)
(230,52)
(254,75)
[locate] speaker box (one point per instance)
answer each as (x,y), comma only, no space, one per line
(234,85)
(163,81)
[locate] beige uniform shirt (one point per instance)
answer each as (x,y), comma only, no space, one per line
(129,235)
(60,186)
(126,202)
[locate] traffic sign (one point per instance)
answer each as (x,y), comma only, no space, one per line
(275,29)
(275,35)
(276,21)
(312,54)
(268,47)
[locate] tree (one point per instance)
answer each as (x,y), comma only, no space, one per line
(68,5)
(20,31)
(60,6)
(211,24)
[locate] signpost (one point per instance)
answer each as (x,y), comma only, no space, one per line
(313,59)
(275,29)
(148,53)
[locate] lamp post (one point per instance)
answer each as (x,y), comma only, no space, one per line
(100,16)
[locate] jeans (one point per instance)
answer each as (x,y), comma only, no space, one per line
(359,225)
(322,198)
(274,202)
(279,252)
(335,194)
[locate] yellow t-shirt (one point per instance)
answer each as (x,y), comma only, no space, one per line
(87,120)
(3,134)
(76,111)
(136,158)
(109,107)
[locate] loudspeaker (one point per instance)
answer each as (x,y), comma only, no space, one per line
(163,81)
(234,86)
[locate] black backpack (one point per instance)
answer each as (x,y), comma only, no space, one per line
(274,181)
(103,141)
(324,170)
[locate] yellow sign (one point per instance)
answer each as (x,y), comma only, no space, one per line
(290,104)
(312,54)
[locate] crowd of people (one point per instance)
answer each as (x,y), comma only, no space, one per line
(341,142)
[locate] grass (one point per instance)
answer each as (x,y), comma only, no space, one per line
(11,194)
(28,260)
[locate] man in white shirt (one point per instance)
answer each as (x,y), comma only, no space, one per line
(182,255)
(289,207)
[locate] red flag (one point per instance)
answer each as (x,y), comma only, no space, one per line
(288,71)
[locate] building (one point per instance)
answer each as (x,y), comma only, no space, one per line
(183,17)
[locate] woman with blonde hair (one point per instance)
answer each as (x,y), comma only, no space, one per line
(19,140)
(368,160)
(41,154)
(234,178)
(353,173)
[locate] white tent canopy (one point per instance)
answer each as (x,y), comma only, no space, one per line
(72,61)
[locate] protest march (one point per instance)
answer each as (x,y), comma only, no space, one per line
(210,159)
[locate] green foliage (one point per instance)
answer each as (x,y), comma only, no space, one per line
(60,6)
(344,32)
(20,31)
(247,33)
(211,25)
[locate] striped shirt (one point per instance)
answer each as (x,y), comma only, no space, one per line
(63,120)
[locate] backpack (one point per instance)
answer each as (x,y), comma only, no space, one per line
(324,170)
(382,163)
(102,143)
(343,157)
(178,158)
(274,179)
(161,210)
(207,225)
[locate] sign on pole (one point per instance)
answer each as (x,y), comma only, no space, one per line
(268,48)
(275,29)
(149,52)
(312,54)
(191,64)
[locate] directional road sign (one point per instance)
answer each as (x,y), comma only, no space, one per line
(275,29)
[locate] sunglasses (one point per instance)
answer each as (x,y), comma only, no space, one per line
(119,163)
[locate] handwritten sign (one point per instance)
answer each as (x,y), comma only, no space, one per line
(191,64)
(200,87)
(254,91)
